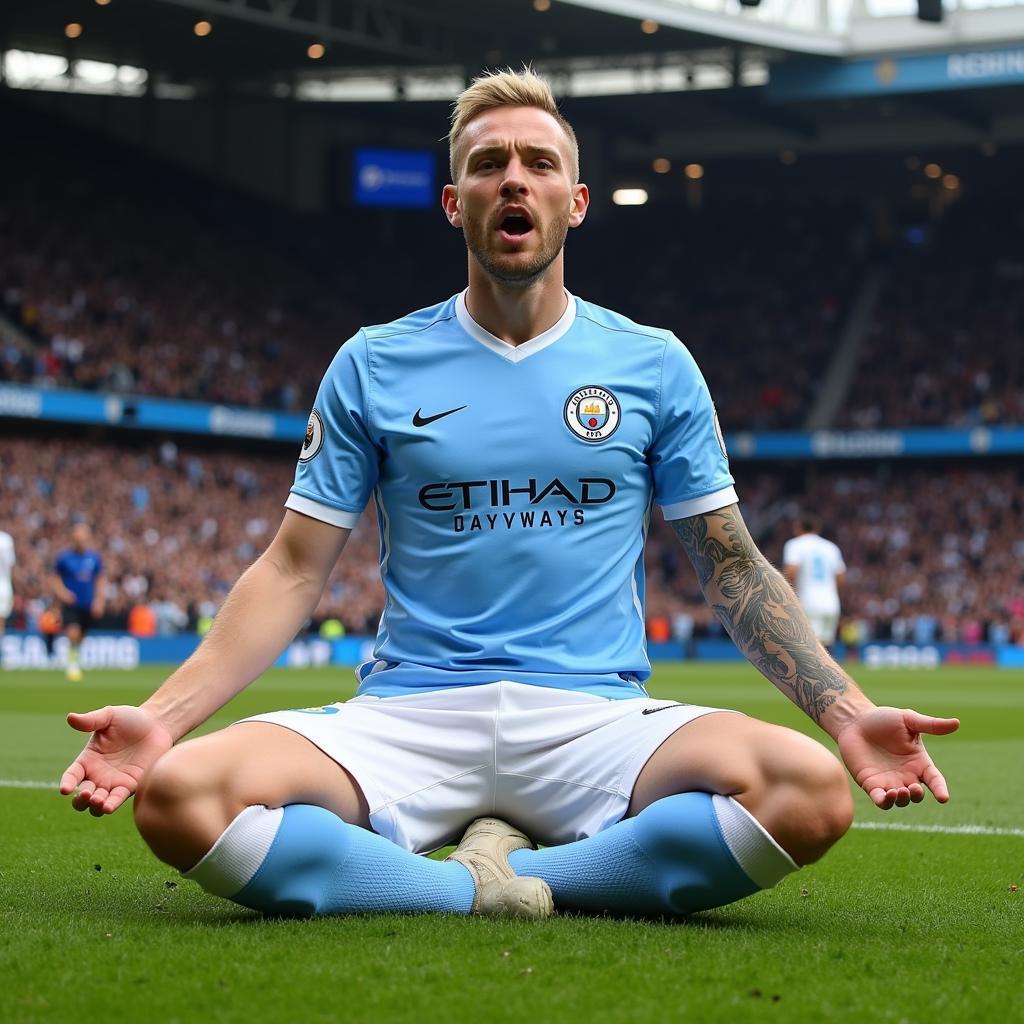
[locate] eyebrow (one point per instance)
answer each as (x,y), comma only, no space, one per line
(483,149)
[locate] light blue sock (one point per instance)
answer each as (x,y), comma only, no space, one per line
(305,860)
(681,854)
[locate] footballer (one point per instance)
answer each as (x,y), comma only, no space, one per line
(515,439)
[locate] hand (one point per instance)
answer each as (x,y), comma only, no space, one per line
(883,750)
(125,743)
(97,608)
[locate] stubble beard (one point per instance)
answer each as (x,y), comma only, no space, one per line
(522,273)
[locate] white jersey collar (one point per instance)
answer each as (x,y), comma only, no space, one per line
(515,353)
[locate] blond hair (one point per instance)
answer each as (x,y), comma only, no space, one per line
(507,88)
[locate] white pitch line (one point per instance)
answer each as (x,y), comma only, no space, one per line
(871,826)
(951,830)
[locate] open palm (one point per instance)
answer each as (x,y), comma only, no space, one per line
(125,742)
(884,752)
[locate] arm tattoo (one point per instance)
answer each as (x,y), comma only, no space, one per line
(758,608)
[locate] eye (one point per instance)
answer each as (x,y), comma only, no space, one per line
(486,165)
(544,165)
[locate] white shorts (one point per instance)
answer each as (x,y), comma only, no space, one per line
(6,602)
(824,625)
(558,763)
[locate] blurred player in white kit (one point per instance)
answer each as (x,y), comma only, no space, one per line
(815,569)
(7,561)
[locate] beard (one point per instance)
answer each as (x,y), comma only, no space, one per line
(513,268)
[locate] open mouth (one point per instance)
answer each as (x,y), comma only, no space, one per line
(515,224)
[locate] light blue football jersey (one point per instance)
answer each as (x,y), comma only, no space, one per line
(514,487)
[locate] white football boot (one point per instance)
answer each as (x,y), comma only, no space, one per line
(500,892)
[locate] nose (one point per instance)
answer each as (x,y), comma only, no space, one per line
(514,182)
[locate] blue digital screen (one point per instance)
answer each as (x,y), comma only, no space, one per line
(394,177)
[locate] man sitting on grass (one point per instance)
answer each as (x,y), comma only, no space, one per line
(514,438)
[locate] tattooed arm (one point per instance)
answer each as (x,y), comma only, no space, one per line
(760,611)
(881,746)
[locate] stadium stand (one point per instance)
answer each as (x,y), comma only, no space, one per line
(758,288)
(176,526)
(947,344)
(212,312)
(933,553)
(204,312)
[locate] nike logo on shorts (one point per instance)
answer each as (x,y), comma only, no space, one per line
(419,420)
(664,707)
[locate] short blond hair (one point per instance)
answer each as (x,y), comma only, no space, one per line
(507,88)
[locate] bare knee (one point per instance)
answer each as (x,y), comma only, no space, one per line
(806,805)
(180,808)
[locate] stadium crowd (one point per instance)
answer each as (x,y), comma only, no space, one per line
(127,287)
(947,344)
(933,554)
(175,528)
(217,310)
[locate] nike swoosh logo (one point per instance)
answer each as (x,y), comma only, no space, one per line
(664,707)
(419,420)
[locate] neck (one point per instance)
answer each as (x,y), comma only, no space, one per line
(516,315)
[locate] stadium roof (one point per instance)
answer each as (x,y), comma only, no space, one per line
(272,36)
(251,36)
(722,89)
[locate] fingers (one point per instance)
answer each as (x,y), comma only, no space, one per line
(899,797)
(96,801)
(81,799)
(71,778)
(928,724)
(936,783)
(117,796)
(881,798)
(91,721)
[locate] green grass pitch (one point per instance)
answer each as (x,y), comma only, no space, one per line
(891,926)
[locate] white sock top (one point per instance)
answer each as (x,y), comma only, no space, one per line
(236,856)
(762,859)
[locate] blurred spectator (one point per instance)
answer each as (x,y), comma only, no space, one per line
(142,621)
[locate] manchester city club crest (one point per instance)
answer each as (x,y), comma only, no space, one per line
(592,413)
(314,439)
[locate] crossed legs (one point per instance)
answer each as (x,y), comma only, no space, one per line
(721,775)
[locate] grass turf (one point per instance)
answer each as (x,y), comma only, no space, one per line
(891,926)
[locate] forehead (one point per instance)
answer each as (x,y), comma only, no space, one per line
(517,127)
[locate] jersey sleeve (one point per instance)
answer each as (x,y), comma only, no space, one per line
(688,456)
(339,461)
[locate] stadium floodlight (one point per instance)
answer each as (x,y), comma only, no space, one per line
(629,196)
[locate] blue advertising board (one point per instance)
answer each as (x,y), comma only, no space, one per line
(890,75)
(65,406)
(394,177)
(60,405)
(124,651)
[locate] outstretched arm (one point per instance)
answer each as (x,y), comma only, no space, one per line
(881,747)
(261,615)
